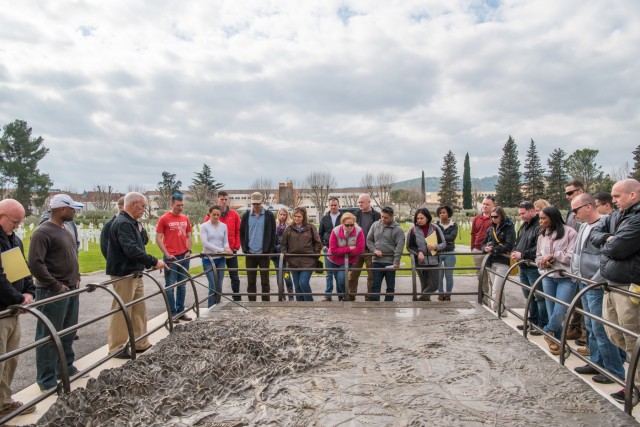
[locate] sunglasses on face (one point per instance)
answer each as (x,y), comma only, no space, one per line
(569,193)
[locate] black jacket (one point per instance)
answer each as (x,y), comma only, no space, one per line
(11,293)
(125,247)
(506,234)
(450,235)
(376,217)
(527,240)
(620,260)
(326,226)
(269,236)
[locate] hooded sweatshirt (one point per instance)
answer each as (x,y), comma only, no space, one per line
(387,238)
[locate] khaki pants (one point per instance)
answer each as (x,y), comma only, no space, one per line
(129,290)
(355,275)
(477,260)
(9,341)
(619,309)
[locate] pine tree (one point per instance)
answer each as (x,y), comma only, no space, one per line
(467,198)
(533,174)
(557,179)
(204,185)
(448,194)
(508,187)
(582,166)
(635,173)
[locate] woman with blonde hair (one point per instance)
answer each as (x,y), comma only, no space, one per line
(540,204)
(283,219)
(346,239)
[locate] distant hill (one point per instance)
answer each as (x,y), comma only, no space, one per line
(432,183)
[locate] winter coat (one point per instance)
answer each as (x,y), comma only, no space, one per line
(301,241)
(414,248)
(339,244)
(502,238)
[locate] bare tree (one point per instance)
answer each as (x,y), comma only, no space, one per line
(378,187)
(102,197)
(351,200)
(415,199)
(138,188)
(320,185)
(265,186)
(618,174)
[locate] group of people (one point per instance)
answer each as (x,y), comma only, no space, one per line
(596,241)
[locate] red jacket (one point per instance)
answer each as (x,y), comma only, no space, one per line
(479,227)
(232,221)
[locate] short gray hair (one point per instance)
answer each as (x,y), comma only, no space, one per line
(133,197)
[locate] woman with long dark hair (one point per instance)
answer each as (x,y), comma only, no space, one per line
(555,247)
(499,241)
(421,245)
(450,231)
(301,237)
(283,219)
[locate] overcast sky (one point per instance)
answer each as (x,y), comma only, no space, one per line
(123,90)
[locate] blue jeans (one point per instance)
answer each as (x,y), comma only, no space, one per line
(389,275)
(215,289)
(287,275)
(447,261)
(340,281)
(173,274)
(62,314)
(232,262)
(563,289)
(537,309)
(601,349)
(330,275)
(301,282)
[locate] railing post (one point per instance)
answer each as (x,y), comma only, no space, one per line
(414,273)
(280,277)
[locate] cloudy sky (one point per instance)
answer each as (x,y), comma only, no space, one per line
(123,90)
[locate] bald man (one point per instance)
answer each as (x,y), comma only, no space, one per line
(617,236)
(365,217)
(18,292)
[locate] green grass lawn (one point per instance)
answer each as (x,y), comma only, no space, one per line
(92,260)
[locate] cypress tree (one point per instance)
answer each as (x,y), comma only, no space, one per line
(467,200)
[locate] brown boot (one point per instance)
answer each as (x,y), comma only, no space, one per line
(441,298)
(574,333)
(552,345)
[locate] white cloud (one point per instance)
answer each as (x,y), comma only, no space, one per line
(274,89)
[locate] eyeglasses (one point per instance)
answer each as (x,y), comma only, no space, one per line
(495,216)
(13,221)
(348,225)
(575,211)
(569,193)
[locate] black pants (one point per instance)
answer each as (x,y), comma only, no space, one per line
(254,261)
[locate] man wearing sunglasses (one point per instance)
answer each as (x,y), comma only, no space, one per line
(173,237)
(571,191)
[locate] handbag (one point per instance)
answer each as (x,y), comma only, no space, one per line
(319,267)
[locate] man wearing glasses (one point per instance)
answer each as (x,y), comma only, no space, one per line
(173,237)
(258,236)
(18,292)
(53,260)
(571,191)
(126,255)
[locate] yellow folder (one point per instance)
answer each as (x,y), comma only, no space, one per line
(15,267)
(432,239)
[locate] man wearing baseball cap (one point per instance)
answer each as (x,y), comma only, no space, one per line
(53,260)
(258,236)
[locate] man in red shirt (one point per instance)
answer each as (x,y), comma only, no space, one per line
(479,227)
(173,237)
(232,221)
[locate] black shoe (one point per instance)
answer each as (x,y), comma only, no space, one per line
(535,332)
(601,379)
(581,343)
(620,396)
(123,355)
(76,338)
(520,327)
(586,370)
(142,351)
(185,318)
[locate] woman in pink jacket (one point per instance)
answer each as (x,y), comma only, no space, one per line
(347,238)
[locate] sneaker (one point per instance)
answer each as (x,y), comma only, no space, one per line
(584,351)
(586,370)
(601,379)
(620,396)
(574,333)
(15,405)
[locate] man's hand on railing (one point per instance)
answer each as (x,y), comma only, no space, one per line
(160,265)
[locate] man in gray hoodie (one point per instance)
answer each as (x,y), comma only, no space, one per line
(385,238)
